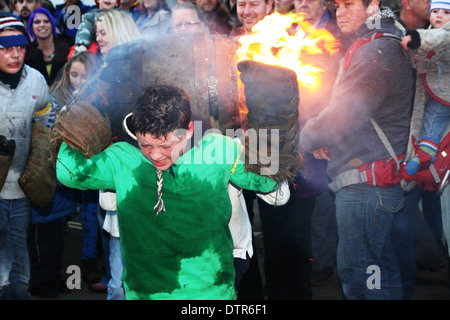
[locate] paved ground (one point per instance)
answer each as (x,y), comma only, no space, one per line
(429,285)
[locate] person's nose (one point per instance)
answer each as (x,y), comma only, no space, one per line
(247,9)
(15,52)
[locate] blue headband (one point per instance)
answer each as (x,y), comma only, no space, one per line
(16,40)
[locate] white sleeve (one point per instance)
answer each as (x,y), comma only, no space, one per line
(278,197)
(107,200)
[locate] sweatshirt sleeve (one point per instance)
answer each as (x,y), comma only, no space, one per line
(76,171)
(248,180)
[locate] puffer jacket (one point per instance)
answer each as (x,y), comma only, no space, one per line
(378,84)
(19,106)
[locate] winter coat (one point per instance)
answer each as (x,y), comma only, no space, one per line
(375,82)
(437,68)
(437,40)
(16,115)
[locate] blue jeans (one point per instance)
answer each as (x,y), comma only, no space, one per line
(435,119)
(366,261)
(116,290)
(15,217)
(445,205)
(113,261)
(403,240)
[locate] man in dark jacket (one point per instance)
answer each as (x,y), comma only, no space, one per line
(375,83)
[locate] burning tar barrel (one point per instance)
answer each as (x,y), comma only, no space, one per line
(205,67)
(202,65)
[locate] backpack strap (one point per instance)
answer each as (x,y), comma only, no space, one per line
(358,43)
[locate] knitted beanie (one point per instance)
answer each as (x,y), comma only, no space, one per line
(8,21)
(440,4)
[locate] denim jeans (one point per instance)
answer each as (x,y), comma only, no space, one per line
(445,205)
(113,261)
(89,221)
(403,240)
(366,261)
(14,260)
(435,119)
(116,290)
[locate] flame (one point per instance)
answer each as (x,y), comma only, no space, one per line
(273,41)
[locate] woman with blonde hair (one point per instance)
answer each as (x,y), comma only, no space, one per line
(114,28)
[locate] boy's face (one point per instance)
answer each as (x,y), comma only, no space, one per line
(11,59)
(164,151)
(439,17)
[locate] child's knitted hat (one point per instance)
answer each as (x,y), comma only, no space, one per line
(7,21)
(440,4)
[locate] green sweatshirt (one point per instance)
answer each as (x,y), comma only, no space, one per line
(185,252)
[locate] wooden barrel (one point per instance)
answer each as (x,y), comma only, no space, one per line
(202,65)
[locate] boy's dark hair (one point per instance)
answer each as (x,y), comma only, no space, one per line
(161,110)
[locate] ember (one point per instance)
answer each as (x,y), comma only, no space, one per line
(275,40)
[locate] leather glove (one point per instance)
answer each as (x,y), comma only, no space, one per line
(272,99)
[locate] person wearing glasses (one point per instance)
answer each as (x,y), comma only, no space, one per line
(188,18)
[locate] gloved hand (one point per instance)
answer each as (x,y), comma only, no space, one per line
(272,99)
(83,127)
(271,92)
(7,149)
(425,155)
(38,180)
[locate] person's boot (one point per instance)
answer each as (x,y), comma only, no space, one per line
(89,271)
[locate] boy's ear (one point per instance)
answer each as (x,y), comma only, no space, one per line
(190,130)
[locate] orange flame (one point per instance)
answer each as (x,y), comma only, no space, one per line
(274,41)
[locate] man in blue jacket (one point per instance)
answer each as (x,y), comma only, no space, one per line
(374,89)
